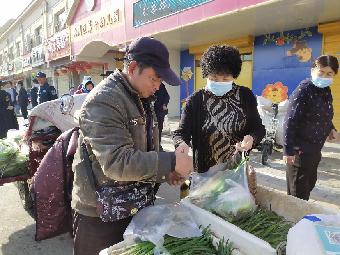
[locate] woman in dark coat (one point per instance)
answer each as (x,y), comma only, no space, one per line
(308,123)
(7,115)
(222,117)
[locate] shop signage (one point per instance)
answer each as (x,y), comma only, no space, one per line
(37,56)
(26,61)
(58,46)
(145,11)
(96,23)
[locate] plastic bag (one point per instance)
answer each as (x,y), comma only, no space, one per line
(264,107)
(224,192)
(154,222)
(12,161)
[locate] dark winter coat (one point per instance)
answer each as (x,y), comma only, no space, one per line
(23,97)
(52,186)
(162,99)
(7,117)
(34,96)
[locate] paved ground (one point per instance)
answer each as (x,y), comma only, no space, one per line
(17,228)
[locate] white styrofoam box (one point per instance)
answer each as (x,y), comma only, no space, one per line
(247,243)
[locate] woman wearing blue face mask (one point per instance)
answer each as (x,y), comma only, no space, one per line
(222,117)
(307,125)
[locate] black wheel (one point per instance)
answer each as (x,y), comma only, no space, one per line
(265,153)
(25,197)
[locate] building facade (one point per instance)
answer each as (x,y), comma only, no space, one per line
(278,40)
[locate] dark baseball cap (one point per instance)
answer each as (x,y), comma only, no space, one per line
(40,75)
(154,53)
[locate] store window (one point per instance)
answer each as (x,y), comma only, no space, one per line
(18,49)
(38,36)
(59,21)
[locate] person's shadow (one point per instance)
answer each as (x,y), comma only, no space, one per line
(22,242)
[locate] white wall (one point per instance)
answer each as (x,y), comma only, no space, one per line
(174,92)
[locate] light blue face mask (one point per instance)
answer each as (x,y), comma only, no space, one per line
(219,88)
(322,82)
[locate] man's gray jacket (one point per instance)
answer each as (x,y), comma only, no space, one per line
(112,125)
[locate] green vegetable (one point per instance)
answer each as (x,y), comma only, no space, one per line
(12,162)
(181,246)
(266,225)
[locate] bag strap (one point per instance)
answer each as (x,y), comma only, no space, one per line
(88,166)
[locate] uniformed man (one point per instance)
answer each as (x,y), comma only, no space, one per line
(46,92)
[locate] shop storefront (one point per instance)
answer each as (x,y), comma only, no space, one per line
(96,31)
(58,55)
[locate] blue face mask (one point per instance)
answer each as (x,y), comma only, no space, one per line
(322,82)
(219,88)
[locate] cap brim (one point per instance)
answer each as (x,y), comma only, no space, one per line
(168,76)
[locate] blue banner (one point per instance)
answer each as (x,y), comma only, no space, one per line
(145,11)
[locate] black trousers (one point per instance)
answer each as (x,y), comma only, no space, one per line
(91,234)
(302,175)
(24,111)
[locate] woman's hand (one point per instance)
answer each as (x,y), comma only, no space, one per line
(289,160)
(246,144)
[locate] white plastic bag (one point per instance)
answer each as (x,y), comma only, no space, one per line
(224,192)
(264,107)
(154,222)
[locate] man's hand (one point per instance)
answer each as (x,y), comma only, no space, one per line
(183,148)
(10,107)
(175,179)
(246,144)
(184,163)
(333,135)
(289,160)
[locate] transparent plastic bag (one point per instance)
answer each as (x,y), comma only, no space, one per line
(224,192)
(154,222)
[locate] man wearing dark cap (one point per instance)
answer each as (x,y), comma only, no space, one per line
(46,92)
(118,163)
(34,92)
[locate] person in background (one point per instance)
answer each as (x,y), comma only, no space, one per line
(72,91)
(23,99)
(7,115)
(34,92)
(86,86)
(119,158)
(46,92)
(221,118)
(13,93)
(161,109)
(307,125)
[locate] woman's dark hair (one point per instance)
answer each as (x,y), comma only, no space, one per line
(327,60)
(221,60)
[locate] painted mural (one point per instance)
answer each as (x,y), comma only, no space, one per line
(187,76)
(284,58)
(276,92)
